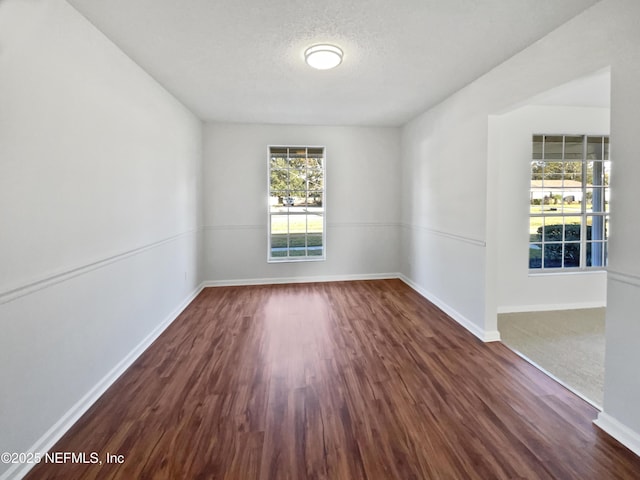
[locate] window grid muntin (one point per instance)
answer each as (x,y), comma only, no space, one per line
(541,156)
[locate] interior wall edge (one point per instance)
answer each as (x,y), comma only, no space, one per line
(481,333)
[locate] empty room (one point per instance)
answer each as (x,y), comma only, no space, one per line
(273,240)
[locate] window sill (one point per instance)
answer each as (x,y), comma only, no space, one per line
(296,260)
(549,272)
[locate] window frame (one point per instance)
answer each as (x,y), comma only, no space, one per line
(323,212)
(584,215)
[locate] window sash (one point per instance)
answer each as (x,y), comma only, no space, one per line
(556,182)
(296,186)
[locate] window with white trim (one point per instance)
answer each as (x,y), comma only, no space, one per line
(296,204)
(569,202)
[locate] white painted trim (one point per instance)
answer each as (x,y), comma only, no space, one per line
(72,272)
(491,336)
(364,224)
(216,228)
(550,307)
(310,279)
(441,233)
(485,336)
(51,436)
(624,277)
(619,431)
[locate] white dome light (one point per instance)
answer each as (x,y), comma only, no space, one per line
(323,57)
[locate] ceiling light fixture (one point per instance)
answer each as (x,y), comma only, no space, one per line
(323,56)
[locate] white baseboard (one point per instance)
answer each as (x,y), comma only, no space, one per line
(49,439)
(549,307)
(620,432)
(311,279)
(485,336)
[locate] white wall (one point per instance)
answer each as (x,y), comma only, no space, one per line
(99,211)
(443,207)
(449,252)
(362,202)
(517,290)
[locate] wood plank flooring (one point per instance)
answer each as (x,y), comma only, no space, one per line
(344,380)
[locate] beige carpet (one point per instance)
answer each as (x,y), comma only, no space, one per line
(569,344)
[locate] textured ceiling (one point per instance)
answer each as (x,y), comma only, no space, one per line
(242,60)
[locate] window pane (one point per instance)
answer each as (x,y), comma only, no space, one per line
(278,158)
(553,171)
(573,174)
(537,197)
(279,179)
(535,229)
(573,148)
(304,200)
(277,202)
(537,169)
(315,156)
(316,181)
(297,162)
(552,255)
(279,235)
(572,198)
(572,226)
(596,254)
(552,231)
(298,244)
(279,224)
(297,224)
(279,246)
(552,199)
(314,244)
(596,173)
(315,223)
(595,228)
(595,200)
(536,192)
(571,255)
(553,147)
(535,255)
(297,179)
(594,148)
(298,198)
(537,147)
(297,157)
(314,162)
(314,202)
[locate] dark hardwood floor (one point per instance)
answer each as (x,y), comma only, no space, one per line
(345,380)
